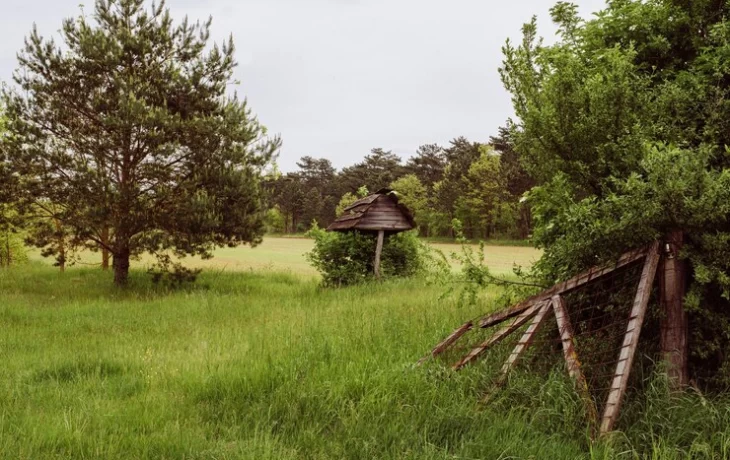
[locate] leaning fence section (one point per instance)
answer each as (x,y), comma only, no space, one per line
(590,325)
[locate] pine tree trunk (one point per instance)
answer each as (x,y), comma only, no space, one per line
(104,249)
(61,246)
(674,327)
(121,264)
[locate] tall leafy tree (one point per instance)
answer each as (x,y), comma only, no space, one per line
(447,192)
(128,126)
(414,196)
(460,154)
(625,122)
(483,195)
(376,171)
(515,179)
(580,115)
(316,172)
(318,177)
(288,196)
(11,221)
(312,207)
(427,164)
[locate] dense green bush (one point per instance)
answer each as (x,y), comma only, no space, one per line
(347,258)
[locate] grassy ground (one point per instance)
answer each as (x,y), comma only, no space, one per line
(261,365)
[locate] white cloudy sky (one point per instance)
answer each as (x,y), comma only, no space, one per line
(338,77)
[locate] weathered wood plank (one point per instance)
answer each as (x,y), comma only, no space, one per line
(631,341)
(389,228)
(386,222)
(526,338)
(447,342)
(571,360)
(385,211)
(392,211)
(497,337)
(563,288)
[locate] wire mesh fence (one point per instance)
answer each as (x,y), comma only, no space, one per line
(589,326)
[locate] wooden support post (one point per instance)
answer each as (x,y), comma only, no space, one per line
(447,342)
(674,328)
(631,341)
(498,336)
(378,251)
(571,360)
(526,338)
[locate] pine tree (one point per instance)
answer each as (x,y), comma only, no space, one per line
(127,127)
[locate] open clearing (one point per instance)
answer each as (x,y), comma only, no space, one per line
(288,255)
(265,365)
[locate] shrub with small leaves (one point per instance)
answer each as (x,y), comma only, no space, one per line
(347,258)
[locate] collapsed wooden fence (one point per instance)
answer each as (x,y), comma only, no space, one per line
(536,311)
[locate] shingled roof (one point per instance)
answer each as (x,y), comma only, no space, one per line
(379,211)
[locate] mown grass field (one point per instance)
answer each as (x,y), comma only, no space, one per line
(287,255)
(259,364)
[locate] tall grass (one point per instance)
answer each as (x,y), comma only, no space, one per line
(265,365)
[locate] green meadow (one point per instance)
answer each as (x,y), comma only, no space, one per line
(287,255)
(256,361)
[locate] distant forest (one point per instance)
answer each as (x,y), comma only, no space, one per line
(479,184)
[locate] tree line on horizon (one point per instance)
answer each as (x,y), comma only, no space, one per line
(479,184)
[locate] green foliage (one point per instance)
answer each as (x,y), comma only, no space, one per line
(624,121)
(484,192)
(581,110)
(427,164)
(483,197)
(437,184)
(12,249)
(346,258)
(127,125)
(671,189)
(414,196)
(349,198)
(376,171)
(305,195)
(274,221)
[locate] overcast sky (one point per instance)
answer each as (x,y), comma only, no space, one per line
(338,77)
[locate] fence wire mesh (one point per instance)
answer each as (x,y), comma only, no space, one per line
(598,314)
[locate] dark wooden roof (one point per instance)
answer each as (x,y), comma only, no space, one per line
(379,211)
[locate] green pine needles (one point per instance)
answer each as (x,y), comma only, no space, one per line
(128,131)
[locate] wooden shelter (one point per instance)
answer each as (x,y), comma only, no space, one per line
(379,213)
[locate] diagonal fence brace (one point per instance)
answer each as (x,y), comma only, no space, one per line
(515,324)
